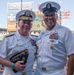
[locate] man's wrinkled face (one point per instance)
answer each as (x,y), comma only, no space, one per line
(25,26)
(50,20)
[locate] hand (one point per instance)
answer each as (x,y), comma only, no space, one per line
(19,66)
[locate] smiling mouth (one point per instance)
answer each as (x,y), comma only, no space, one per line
(49,21)
(26,28)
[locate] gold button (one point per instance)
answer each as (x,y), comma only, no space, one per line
(23,58)
(51,47)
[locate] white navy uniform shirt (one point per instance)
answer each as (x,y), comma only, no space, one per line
(54,59)
(13,44)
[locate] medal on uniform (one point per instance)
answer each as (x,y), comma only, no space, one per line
(51,46)
(53,37)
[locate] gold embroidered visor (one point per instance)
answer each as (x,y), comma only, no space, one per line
(25,18)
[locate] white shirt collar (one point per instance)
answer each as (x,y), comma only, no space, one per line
(19,36)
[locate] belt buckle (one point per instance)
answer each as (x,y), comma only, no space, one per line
(44,68)
(23,73)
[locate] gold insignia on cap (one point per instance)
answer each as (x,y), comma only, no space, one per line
(26,16)
(27,13)
(48,6)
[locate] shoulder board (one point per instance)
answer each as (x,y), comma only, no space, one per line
(9,35)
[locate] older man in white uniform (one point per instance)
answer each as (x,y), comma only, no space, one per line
(16,42)
(55,44)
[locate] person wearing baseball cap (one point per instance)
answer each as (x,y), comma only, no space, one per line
(55,44)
